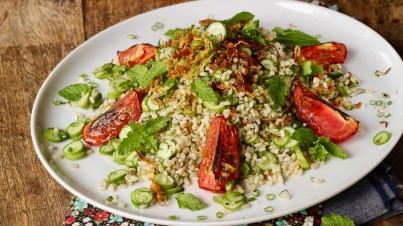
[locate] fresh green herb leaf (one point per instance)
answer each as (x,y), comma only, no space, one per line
(277,91)
(204,91)
(319,152)
(74,92)
(252,30)
(143,76)
(189,201)
(295,37)
(150,143)
(141,135)
(335,219)
(304,136)
(242,16)
(153,126)
(316,69)
(332,148)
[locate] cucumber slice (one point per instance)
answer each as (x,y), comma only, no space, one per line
(381,138)
(164,181)
(97,100)
(152,104)
(265,165)
(84,101)
(281,138)
(171,191)
(215,107)
(304,163)
(75,130)
(218,30)
(74,150)
(132,160)
(117,176)
(306,68)
(106,149)
(124,131)
(55,135)
(267,63)
(142,197)
(167,149)
(144,106)
(253,139)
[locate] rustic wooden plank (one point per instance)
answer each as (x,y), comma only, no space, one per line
(35,36)
(103,14)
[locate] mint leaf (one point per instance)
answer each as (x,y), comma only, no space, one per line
(153,126)
(74,92)
(141,135)
(150,143)
(277,91)
(189,201)
(251,30)
(204,91)
(335,219)
(242,16)
(332,148)
(304,136)
(143,76)
(137,72)
(319,152)
(295,37)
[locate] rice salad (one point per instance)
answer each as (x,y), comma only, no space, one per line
(250,73)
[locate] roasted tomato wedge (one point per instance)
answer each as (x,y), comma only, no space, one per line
(137,54)
(109,124)
(323,54)
(220,161)
(322,117)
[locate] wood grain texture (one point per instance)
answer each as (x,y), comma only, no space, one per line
(34,37)
(36,34)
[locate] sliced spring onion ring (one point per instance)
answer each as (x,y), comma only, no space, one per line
(270,197)
(219,214)
(201,217)
(268,209)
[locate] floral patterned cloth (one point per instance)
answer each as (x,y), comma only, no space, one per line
(81,213)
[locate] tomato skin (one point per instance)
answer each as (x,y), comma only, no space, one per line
(220,161)
(322,117)
(108,125)
(137,54)
(324,54)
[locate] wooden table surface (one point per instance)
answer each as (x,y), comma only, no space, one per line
(35,35)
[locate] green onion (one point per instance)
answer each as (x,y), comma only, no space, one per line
(251,199)
(109,198)
(268,209)
(219,214)
(360,90)
(385,95)
(173,217)
(270,197)
(380,114)
(201,217)
(378,73)
(255,193)
(389,102)
(156,26)
(131,36)
(378,103)
(388,115)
